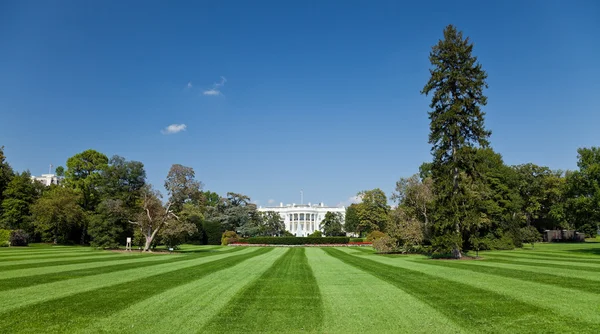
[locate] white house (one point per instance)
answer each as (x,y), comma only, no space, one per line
(303,219)
(47,179)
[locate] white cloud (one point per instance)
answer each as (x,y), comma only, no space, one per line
(271,201)
(173,128)
(350,200)
(212,92)
(189,85)
(216,88)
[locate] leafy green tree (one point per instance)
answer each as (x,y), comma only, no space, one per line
(57,215)
(352,221)
(153,215)
(531,235)
(176,232)
(19,195)
(456,125)
(331,225)
(109,224)
(498,204)
(582,206)
(194,214)
(6,174)
(273,223)
(122,180)
(60,171)
(405,228)
(84,175)
(211,198)
(416,195)
(182,186)
(372,211)
(234,213)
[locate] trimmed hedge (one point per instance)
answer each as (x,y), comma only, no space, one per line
(298,240)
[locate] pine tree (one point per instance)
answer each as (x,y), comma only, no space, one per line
(457,128)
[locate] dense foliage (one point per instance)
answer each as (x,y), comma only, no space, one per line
(298,240)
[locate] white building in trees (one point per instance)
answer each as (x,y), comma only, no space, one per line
(303,219)
(47,179)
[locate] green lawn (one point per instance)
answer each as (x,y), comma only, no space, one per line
(212,289)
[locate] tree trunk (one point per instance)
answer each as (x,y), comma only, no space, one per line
(149,238)
(456,252)
(148,243)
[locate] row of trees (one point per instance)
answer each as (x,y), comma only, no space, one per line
(102,201)
(467,197)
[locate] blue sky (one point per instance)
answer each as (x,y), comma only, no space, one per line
(286,95)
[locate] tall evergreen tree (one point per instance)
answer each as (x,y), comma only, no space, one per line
(456,127)
(6,173)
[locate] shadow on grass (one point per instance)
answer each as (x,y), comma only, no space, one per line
(591,251)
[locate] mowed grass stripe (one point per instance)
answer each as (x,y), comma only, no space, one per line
(285,298)
(549,264)
(188,307)
(21,251)
(61,255)
(538,295)
(584,285)
(358,302)
(33,263)
(544,270)
(474,308)
(28,264)
(33,276)
(78,311)
(562,256)
(22,297)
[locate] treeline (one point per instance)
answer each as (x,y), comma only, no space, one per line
(467,198)
(101,201)
(508,206)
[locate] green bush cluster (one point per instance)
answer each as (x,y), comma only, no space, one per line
(229,237)
(375,235)
(298,240)
(19,238)
(384,244)
(4,238)
(316,234)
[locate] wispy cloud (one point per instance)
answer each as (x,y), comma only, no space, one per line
(351,200)
(216,88)
(212,92)
(173,128)
(271,201)
(189,85)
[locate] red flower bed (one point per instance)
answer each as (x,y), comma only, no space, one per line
(359,243)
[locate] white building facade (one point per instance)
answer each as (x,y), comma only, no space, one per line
(303,219)
(47,179)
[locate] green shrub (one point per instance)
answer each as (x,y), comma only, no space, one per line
(298,240)
(357,239)
(213,231)
(375,235)
(316,234)
(19,238)
(384,244)
(4,238)
(229,237)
